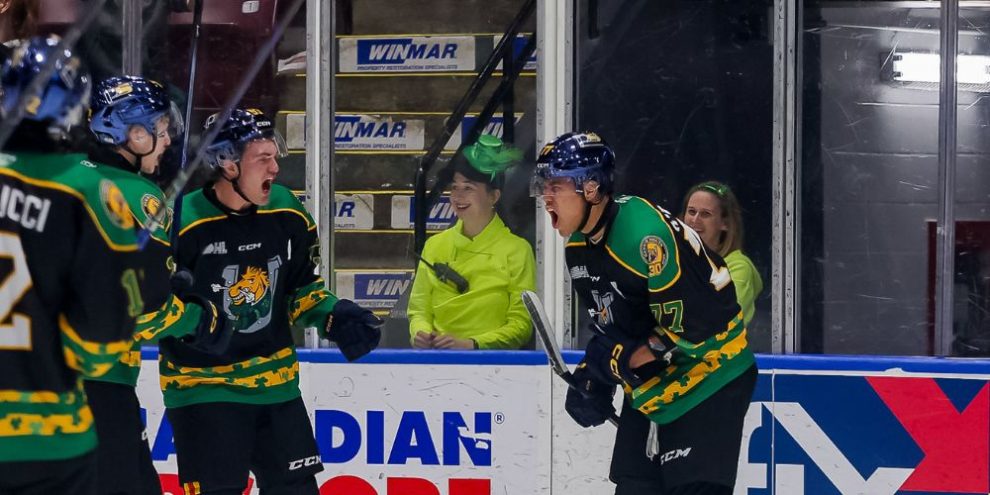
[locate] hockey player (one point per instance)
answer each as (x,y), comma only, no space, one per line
(252,249)
(667,328)
(67,252)
(134,121)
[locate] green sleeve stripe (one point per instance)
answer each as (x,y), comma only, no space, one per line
(175,319)
(311,305)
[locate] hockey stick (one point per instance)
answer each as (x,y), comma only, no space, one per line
(197,26)
(33,90)
(543,329)
(180,181)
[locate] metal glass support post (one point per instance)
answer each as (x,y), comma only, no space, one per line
(320,45)
(946,226)
(554,83)
(132,26)
(784,337)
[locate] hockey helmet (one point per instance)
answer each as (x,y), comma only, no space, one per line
(241,128)
(64,98)
(125,101)
(579,156)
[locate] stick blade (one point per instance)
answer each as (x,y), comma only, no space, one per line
(544,331)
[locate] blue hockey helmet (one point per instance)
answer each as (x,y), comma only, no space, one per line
(241,128)
(125,101)
(64,98)
(579,156)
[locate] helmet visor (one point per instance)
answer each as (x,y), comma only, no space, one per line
(176,124)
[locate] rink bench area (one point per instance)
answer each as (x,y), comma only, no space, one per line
(492,422)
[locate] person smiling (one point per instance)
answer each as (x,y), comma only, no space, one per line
(497,264)
(712,210)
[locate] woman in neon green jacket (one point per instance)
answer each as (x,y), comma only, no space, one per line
(497,264)
(712,210)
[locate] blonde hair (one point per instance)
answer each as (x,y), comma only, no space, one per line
(730,239)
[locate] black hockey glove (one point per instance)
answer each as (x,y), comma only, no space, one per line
(608,360)
(590,404)
(214,331)
(355,329)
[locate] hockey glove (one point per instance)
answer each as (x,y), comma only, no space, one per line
(356,330)
(590,403)
(214,331)
(608,360)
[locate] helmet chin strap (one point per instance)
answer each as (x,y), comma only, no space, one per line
(602,220)
(139,156)
(237,187)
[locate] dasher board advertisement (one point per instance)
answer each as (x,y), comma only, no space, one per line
(407,54)
(362,132)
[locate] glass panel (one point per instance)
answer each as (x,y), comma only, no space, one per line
(231,37)
(402,68)
(972,203)
(868,176)
(682,92)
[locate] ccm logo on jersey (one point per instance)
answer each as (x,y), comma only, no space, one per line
(249,247)
(219,247)
(301,463)
(674,454)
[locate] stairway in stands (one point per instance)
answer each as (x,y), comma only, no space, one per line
(402,67)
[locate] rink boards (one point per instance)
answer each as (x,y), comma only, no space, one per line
(473,423)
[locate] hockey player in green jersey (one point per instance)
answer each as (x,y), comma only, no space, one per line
(133,120)
(253,250)
(666,324)
(68,251)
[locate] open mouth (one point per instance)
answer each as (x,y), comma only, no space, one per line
(266,186)
(461,207)
(553,218)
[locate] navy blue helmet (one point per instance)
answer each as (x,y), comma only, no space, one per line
(242,127)
(64,98)
(125,101)
(579,156)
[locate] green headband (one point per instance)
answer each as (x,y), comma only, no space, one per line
(490,156)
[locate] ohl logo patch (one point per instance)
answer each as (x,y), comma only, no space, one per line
(247,296)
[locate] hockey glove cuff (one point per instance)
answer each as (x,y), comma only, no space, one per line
(213,332)
(589,402)
(608,360)
(356,330)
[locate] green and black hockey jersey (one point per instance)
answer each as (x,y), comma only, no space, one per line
(260,268)
(67,253)
(170,316)
(651,274)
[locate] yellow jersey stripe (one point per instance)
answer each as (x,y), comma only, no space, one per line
(81,197)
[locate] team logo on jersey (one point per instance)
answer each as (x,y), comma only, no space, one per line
(247,295)
(250,289)
(654,253)
(151,204)
(115,205)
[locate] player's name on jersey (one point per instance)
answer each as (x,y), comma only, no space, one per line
(26,209)
(362,132)
(407,54)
